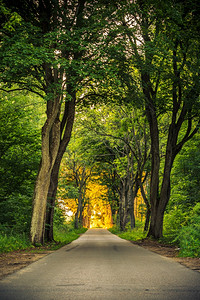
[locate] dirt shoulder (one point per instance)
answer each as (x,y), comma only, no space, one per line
(13,261)
(170,251)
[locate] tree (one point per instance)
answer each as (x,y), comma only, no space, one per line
(49,52)
(161,56)
(118,139)
(79,176)
(77,169)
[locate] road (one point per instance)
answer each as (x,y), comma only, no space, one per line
(100,265)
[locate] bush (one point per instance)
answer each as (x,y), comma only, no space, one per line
(65,233)
(173,222)
(13,242)
(130,234)
(189,236)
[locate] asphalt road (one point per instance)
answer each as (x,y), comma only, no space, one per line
(100,265)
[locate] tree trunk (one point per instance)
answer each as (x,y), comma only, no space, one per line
(156,220)
(131,197)
(50,145)
(78,212)
(123,209)
(148,207)
(66,129)
(147,219)
(156,224)
(51,197)
(157,211)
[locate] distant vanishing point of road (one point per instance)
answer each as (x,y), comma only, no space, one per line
(100,265)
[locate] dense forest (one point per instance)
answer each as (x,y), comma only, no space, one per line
(99,116)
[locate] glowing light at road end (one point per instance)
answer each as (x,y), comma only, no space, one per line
(97,213)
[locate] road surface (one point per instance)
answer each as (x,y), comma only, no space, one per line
(100,265)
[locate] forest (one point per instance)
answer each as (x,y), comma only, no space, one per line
(99,120)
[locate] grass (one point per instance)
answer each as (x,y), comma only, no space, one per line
(15,241)
(66,235)
(130,234)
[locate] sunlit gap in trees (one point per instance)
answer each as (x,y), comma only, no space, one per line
(97,210)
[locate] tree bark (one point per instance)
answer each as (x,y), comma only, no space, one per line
(50,146)
(65,135)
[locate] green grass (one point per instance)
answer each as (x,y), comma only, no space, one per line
(130,234)
(66,235)
(10,242)
(62,236)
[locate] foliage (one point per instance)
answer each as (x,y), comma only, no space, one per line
(174,220)
(98,207)
(186,177)
(189,235)
(19,157)
(66,234)
(143,54)
(130,234)
(181,222)
(12,241)
(117,137)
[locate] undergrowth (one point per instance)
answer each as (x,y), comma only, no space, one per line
(134,234)
(13,241)
(180,229)
(66,234)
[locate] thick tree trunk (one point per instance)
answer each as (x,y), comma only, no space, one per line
(156,220)
(66,129)
(182,107)
(157,211)
(156,224)
(50,145)
(155,150)
(51,197)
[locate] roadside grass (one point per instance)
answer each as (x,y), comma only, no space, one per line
(186,238)
(20,241)
(67,234)
(12,242)
(134,234)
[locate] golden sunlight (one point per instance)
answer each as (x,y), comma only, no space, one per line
(97,214)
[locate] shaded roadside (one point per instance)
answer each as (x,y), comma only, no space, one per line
(169,251)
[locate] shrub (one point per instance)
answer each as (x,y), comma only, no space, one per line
(130,234)
(9,242)
(189,236)
(173,222)
(66,234)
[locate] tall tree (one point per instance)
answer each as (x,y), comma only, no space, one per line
(162,47)
(49,52)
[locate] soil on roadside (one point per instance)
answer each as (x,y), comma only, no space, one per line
(171,252)
(16,260)
(13,261)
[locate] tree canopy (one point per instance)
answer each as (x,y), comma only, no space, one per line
(127,75)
